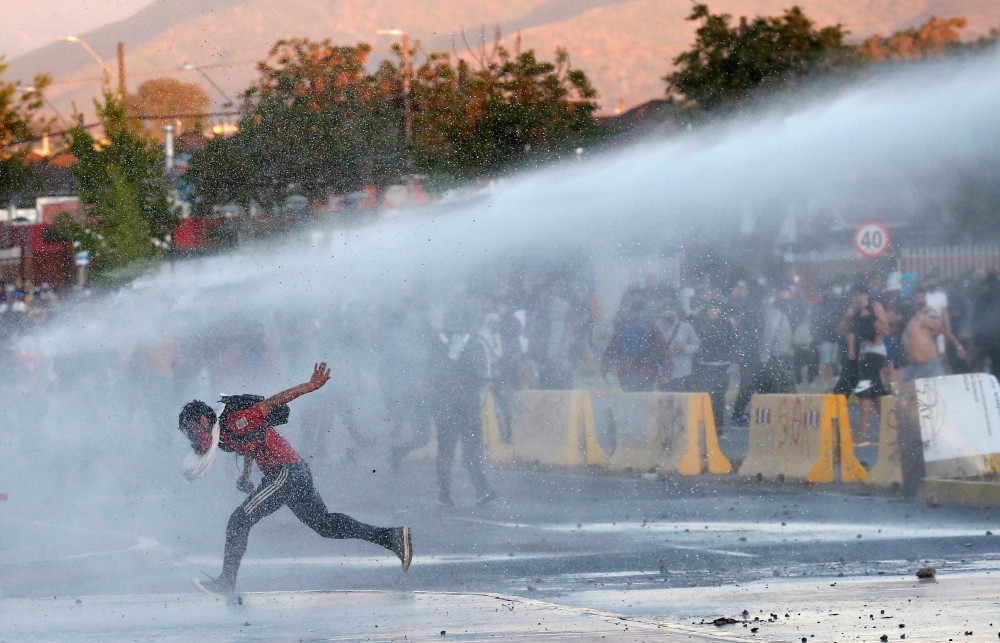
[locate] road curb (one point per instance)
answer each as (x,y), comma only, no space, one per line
(960,492)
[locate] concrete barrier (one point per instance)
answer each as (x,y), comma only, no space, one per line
(949,445)
(940,491)
(493,443)
(887,470)
(550,427)
(796,437)
(668,432)
(850,467)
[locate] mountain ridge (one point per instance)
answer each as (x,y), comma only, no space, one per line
(624,46)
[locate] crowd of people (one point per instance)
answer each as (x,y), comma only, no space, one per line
(859,337)
(24,306)
(411,363)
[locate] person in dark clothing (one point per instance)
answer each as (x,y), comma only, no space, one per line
(287,479)
(771,367)
(714,356)
(986,322)
(459,375)
(747,314)
(512,363)
(638,351)
(825,320)
(864,326)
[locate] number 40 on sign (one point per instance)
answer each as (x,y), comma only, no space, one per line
(871,239)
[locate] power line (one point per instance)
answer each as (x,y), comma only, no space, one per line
(158,117)
(148,117)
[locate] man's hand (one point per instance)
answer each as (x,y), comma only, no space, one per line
(320,376)
(244,484)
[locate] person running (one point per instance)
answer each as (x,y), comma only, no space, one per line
(287,479)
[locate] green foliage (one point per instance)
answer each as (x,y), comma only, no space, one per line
(318,122)
(17,180)
(121,178)
(511,110)
(730,65)
(116,233)
(315,121)
(17,125)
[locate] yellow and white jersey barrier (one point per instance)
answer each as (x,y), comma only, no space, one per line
(668,432)
(887,470)
(493,443)
(794,437)
(550,427)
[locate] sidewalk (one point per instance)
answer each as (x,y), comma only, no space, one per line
(314,616)
(956,606)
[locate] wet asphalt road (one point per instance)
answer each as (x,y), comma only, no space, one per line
(683,550)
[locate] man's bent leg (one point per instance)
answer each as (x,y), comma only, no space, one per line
(472,455)
(264,501)
(447,433)
(308,506)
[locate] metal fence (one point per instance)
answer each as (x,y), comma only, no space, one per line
(951,261)
(816,268)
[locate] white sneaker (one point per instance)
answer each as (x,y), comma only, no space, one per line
(402,546)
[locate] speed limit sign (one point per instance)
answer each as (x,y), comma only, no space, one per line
(871,239)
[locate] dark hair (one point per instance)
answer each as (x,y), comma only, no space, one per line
(192,412)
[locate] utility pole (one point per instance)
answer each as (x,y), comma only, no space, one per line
(121,70)
(407,100)
(407,103)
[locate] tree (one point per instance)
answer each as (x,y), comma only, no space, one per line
(730,65)
(183,102)
(315,121)
(130,218)
(509,110)
(18,127)
(934,38)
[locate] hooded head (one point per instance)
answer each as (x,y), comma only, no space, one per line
(191,422)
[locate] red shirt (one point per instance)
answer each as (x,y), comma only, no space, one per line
(272,450)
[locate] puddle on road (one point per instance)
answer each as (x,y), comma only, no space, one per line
(771,532)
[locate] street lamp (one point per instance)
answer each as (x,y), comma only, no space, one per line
(407,106)
(93,54)
(190,67)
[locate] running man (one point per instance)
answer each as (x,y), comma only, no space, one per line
(287,480)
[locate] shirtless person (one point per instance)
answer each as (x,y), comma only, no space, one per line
(920,343)
(943,333)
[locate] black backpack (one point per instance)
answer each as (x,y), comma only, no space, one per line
(234,403)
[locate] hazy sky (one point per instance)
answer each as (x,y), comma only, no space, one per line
(28,25)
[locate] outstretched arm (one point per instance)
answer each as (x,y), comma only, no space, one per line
(320,376)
